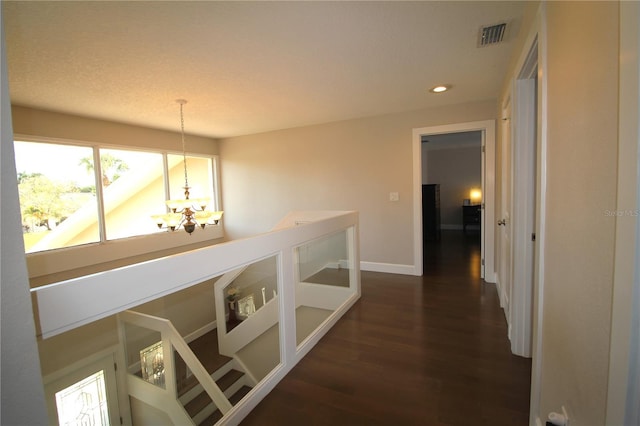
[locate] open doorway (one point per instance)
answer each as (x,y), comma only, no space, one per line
(452,194)
(486,131)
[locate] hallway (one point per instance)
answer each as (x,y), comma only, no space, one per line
(430,350)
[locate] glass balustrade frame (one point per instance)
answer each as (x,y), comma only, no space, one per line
(69,304)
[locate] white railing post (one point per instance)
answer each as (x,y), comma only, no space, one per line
(287,290)
(215,393)
(168,360)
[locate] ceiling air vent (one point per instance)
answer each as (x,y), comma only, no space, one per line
(491,35)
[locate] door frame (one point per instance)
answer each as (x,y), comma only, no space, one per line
(537,38)
(624,354)
(487,129)
(106,361)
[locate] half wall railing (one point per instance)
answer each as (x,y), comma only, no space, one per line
(283,291)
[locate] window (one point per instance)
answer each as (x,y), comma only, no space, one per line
(56,188)
(133,190)
(60,203)
(84,403)
(85,396)
(200,177)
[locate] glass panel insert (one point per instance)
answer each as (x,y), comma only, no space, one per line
(325,261)
(254,287)
(84,403)
(152,364)
(57,195)
(145,356)
(252,318)
(324,281)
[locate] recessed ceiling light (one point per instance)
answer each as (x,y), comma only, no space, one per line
(441,88)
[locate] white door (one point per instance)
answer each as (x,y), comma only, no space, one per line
(504,215)
(85,396)
(522,226)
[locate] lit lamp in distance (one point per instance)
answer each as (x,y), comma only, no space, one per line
(476,196)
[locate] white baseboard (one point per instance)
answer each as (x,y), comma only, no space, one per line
(390,268)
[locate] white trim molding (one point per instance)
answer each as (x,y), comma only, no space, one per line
(488,129)
(389,268)
(538,33)
(624,354)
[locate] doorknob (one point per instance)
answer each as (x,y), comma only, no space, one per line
(502,222)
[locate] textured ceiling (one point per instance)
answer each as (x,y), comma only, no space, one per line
(248,67)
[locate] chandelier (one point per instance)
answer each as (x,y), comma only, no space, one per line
(186,212)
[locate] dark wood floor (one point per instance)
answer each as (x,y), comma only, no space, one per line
(429,350)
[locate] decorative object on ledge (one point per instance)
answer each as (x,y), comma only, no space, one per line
(186,212)
(232,312)
(246,307)
(232,294)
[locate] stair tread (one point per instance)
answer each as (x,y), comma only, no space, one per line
(197,404)
(212,419)
(217,415)
(229,379)
(236,397)
(206,350)
(202,400)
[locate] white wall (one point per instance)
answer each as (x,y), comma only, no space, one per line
(581,75)
(347,165)
(22,392)
(581,172)
(35,122)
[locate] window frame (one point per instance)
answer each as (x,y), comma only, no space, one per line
(105,361)
(66,258)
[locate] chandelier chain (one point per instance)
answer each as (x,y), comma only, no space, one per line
(184,154)
(186,213)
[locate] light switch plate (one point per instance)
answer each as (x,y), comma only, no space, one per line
(393,196)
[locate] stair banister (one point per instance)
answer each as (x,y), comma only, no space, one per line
(215,393)
(171,340)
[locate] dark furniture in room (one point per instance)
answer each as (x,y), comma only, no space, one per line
(471,216)
(431,212)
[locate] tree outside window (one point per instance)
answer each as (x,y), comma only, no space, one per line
(53,187)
